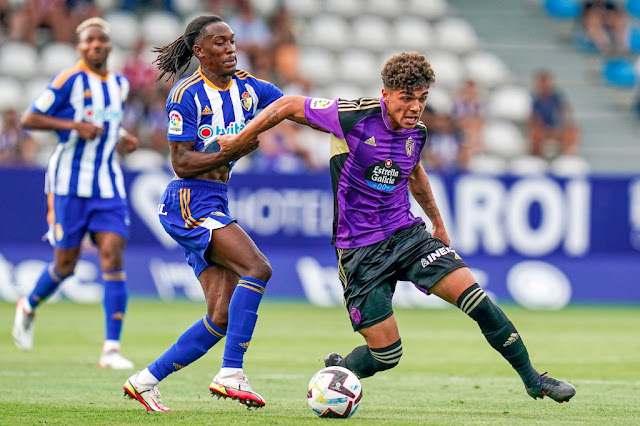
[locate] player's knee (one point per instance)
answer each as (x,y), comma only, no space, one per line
(388,357)
(261,270)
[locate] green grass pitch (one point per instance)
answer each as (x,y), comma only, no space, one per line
(448,375)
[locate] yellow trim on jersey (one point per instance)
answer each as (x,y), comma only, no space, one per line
(63,76)
(179,87)
(213,86)
(338,146)
(84,67)
(243,75)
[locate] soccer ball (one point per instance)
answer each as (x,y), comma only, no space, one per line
(334,392)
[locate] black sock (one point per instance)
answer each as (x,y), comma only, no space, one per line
(498,330)
(366,362)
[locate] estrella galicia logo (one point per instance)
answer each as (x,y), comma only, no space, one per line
(383,175)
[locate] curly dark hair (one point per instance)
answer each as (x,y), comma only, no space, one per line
(176,55)
(408,71)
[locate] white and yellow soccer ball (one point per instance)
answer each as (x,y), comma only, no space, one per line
(334,392)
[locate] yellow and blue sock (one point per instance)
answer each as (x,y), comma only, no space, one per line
(243,315)
(114,302)
(190,346)
(47,284)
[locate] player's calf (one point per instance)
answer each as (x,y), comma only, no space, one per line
(365,361)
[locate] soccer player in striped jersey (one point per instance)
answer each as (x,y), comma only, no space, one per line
(215,100)
(84,183)
(375,164)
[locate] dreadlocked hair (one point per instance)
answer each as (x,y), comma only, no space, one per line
(175,57)
(408,71)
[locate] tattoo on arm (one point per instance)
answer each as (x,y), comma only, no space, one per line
(425,198)
(272,116)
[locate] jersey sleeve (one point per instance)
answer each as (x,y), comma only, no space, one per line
(55,95)
(182,117)
(324,114)
(267,93)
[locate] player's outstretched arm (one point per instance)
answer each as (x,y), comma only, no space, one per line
(421,190)
(39,121)
(291,107)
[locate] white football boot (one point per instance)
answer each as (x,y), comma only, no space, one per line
(111,357)
(23,325)
(236,386)
(149,396)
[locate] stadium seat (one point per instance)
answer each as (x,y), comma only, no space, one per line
(317,64)
(510,103)
(432,9)
(619,72)
(264,7)
(455,35)
(117,58)
(486,69)
(124,28)
(371,32)
(186,7)
(562,9)
(330,31)
(358,66)
(12,93)
(487,164)
(412,33)
(504,139)
(569,166)
(448,69)
(108,4)
(439,99)
(386,8)
(526,165)
(33,88)
(633,7)
(161,28)
(346,8)
(55,57)
(345,90)
(18,60)
(302,8)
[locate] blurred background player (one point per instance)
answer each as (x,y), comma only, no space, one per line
(375,164)
(84,183)
(215,99)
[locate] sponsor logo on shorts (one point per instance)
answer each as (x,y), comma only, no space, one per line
(433,256)
(355,315)
(175,123)
(513,337)
(320,103)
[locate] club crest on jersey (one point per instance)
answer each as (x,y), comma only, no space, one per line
(205,132)
(409,146)
(247,101)
(175,123)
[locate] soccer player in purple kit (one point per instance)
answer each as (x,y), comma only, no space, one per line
(375,164)
(84,183)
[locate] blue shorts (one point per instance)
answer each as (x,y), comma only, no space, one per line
(189,211)
(71,217)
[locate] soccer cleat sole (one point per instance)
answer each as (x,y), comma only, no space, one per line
(245,398)
(131,393)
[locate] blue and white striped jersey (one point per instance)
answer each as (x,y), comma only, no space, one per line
(198,110)
(85,168)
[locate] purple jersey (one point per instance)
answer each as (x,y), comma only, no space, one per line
(370,164)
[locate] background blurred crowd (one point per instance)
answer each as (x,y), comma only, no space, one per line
(269,46)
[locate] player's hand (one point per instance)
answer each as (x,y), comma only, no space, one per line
(128,143)
(234,147)
(441,233)
(87,130)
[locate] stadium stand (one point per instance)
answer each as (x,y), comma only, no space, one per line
(341,50)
